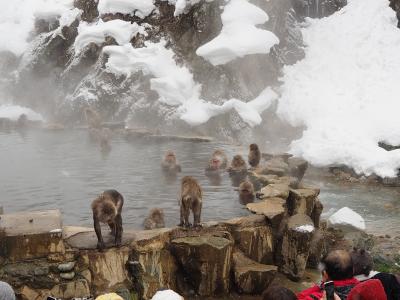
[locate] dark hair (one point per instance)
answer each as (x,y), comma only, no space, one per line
(362,262)
(278,293)
(338,265)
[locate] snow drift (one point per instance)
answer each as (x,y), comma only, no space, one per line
(175,84)
(239,35)
(346,90)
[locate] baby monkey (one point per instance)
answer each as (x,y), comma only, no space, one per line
(246,192)
(191,199)
(155,219)
(107,209)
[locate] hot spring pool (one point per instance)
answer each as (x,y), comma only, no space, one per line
(63,170)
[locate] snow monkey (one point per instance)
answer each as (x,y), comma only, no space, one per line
(246,192)
(217,162)
(107,209)
(254,155)
(169,163)
(238,164)
(155,219)
(191,199)
(93,119)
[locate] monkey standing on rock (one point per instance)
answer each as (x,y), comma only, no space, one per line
(254,155)
(107,209)
(191,199)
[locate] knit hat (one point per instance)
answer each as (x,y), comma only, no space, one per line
(6,291)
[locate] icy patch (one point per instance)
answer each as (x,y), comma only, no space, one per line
(346,90)
(139,8)
(17,20)
(120,30)
(167,295)
(305,228)
(175,84)
(13,112)
(239,35)
(347,218)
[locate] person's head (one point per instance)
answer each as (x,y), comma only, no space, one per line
(6,291)
(362,262)
(278,293)
(337,265)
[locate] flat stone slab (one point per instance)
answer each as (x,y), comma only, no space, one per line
(30,235)
(28,223)
(85,237)
(270,208)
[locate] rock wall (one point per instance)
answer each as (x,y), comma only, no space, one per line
(395,4)
(39,257)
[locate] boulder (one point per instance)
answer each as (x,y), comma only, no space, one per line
(26,293)
(295,245)
(253,236)
(206,262)
(275,191)
(347,220)
(74,289)
(251,277)
(107,268)
(30,235)
(301,201)
(317,249)
(275,166)
(272,208)
(154,267)
(297,167)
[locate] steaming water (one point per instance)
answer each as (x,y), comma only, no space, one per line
(49,170)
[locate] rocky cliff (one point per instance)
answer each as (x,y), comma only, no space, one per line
(52,77)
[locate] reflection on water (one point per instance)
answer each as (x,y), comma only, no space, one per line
(379,205)
(46,170)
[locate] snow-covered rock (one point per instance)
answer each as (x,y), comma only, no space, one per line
(239,35)
(345,218)
(139,8)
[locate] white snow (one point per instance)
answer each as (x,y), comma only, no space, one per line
(346,90)
(175,84)
(167,295)
(139,8)
(120,30)
(239,35)
(13,112)
(17,20)
(305,228)
(347,218)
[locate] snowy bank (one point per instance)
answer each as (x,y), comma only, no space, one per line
(239,35)
(120,30)
(346,218)
(346,90)
(139,8)
(17,20)
(175,84)
(13,112)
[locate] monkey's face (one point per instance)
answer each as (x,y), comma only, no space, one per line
(170,158)
(215,163)
(237,161)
